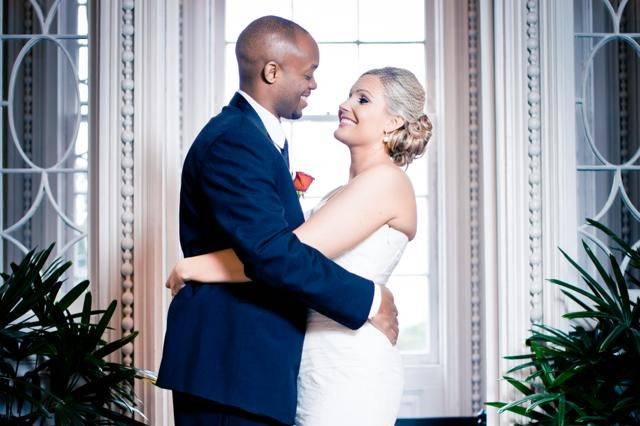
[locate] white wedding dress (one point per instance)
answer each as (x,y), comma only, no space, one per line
(352,378)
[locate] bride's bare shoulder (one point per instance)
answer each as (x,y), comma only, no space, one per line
(386,178)
(391,190)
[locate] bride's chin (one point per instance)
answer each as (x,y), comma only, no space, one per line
(339,137)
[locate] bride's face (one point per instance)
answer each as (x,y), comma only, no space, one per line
(363,116)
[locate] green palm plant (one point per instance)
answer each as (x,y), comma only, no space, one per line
(52,361)
(591,374)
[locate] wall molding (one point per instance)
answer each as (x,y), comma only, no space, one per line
(105,199)
(559,227)
(623,123)
(474,203)
(451,102)
(528,176)
(27,123)
(511,179)
(490,272)
(157,185)
(201,23)
(534,125)
(127,86)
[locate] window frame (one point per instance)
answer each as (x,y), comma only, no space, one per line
(412,358)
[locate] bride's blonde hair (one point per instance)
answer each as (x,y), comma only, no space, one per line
(405,98)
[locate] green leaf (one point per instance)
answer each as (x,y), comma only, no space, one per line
(605,276)
(517,403)
(515,407)
(597,290)
(635,314)
(566,375)
(561,339)
(72,295)
(626,404)
(521,367)
(598,300)
(611,338)
(578,301)
(533,376)
(521,387)
(636,340)
(562,410)
(588,314)
(86,309)
(543,399)
(106,317)
(623,292)
(623,244)
(56,351)
(115,345)
(515,357)
(519,410)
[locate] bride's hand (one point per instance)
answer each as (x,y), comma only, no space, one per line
(175,281)
(386,320)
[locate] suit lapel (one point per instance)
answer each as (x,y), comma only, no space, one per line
(238,101)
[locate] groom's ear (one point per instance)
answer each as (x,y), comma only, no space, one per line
(270,72)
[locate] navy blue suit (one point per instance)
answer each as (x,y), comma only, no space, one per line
(240,344)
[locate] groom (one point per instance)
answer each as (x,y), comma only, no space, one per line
(232,352)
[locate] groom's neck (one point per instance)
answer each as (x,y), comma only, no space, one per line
(261,97)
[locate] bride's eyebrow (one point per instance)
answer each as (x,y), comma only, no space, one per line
(365,91)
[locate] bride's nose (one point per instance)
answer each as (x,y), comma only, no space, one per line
(344,107)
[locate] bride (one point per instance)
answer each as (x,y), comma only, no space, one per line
(353,377)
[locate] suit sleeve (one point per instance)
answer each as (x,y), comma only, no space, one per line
(240,190)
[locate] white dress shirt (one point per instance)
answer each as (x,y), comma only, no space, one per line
(270,121)
(276,133)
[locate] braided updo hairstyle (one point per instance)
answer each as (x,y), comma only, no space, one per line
(405,97)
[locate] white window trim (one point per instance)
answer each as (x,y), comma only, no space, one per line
(156,176)
(433,387)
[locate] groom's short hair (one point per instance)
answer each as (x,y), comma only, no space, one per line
(253,42)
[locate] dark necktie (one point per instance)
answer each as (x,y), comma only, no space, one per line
(285,152)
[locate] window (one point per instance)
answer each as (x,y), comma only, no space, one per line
(607,142)
(362,35)
(46,142)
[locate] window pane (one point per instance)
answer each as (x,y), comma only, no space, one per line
(328,20)
(402,20)
(314,150)
(418,173)
(47,111)
(239,13)
(82,142)
(411,296)
(84,93)
(83,63)
(83,24)
(231,82)
(337,72)
(415,260)
(606,124)
(409,56)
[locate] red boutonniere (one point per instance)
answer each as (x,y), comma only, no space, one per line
(302,182)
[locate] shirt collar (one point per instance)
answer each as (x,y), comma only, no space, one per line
(270,121)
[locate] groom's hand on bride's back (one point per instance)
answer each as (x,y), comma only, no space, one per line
(386,320)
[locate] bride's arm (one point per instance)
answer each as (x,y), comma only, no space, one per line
(371,200)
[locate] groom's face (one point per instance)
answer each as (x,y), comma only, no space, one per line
(298,80)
